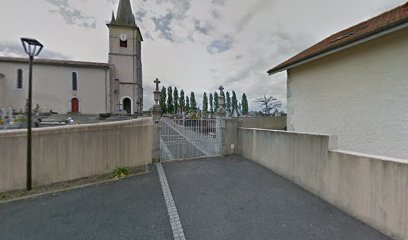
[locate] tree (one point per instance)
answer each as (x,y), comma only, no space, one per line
(193,103)
(234,103)
(205,103)
(187,104)
(268,104)
(176,100)
(170,106)
(228,108)
(182,102)
(163,100)
(216,103)
(244,102)
(211,103)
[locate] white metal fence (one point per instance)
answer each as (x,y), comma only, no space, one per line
(188,139)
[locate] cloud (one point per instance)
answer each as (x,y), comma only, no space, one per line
(163,26)
(218,2)
(113,2)
(177,7)
(202,26)
(71,15)
(220,45)
(140,14)
(16,50)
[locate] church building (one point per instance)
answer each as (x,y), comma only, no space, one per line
(82,87)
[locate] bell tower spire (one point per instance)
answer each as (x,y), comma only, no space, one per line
(113,19)
(125,16)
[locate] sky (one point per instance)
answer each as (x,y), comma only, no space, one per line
(195,45)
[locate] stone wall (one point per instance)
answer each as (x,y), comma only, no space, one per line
(370,188)
(67,153)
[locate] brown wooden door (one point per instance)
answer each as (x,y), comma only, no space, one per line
(75,105)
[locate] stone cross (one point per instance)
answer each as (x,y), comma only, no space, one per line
(157,84)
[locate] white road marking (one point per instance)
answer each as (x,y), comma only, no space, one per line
(176,227)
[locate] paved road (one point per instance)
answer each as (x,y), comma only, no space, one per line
(238,199)
(215,198)
(133,208)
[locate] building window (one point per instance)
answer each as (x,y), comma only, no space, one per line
(19,79)
(123,44)
(74,81)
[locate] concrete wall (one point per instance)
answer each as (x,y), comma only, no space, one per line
(359,94)
(67,153)
(370,188)
(230,140)
(276,123)
(52,87)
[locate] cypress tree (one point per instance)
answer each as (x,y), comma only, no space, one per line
(234,103)
(245,107)
(176,100)
(187,104)
(211,103)
(163,100)
(205,103)
(170,107)
(228,100)
(193,103)
(182,102)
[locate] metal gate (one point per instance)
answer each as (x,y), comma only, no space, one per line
(188,139)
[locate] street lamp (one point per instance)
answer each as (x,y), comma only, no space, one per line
(33,48)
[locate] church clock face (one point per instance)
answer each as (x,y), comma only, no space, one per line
(123,37)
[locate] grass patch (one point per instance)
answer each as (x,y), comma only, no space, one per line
(120,172)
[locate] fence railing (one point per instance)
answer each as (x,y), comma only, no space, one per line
(187,138)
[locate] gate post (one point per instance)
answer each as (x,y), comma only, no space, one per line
(157,113)
(221,120)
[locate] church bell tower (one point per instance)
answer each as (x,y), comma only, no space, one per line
(125,56)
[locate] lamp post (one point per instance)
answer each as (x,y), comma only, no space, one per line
(33,48)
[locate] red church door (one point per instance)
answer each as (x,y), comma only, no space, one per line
(74,105)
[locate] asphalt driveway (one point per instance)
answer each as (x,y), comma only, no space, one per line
(132,208)
(224,198)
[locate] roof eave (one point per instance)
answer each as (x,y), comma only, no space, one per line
(364,38)
(140,34)
(44,61)
(122,25)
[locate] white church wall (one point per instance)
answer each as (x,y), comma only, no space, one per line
(359,94)
(52,87)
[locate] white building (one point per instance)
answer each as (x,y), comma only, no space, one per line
(83,87)
(354,84)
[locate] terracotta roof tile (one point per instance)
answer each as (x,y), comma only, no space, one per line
(378,24)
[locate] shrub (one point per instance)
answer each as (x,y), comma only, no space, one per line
(120,172)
